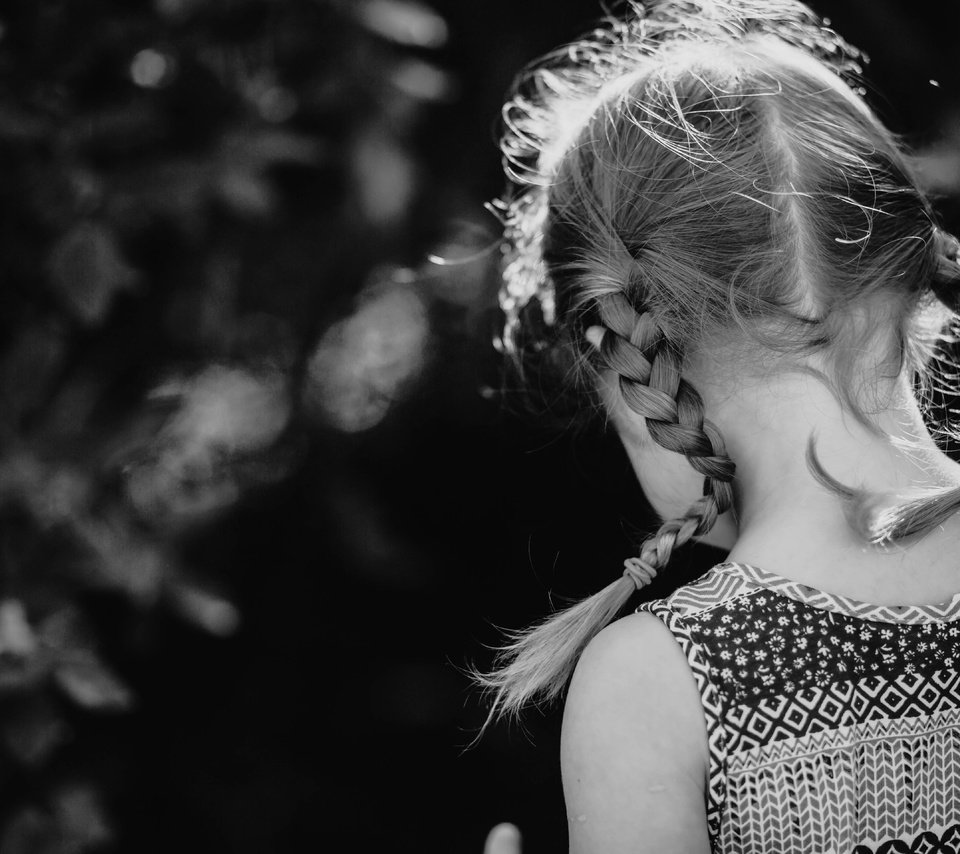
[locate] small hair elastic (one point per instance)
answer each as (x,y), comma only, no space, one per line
(639,571)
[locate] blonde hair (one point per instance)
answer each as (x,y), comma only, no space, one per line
(698,172)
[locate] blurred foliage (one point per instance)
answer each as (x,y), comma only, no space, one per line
(239,411)
(179,180)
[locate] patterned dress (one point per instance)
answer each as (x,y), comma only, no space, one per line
(833,725)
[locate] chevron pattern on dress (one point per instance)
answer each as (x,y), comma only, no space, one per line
(810,795)
(840,704)
(710,590)
(910,614)
(831,724)
(843,738)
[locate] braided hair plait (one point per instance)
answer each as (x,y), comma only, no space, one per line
(537,663)
(648,369)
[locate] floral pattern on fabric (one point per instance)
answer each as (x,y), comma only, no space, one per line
(839,720)
(766,644)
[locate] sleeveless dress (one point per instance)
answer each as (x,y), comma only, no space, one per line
(833,725)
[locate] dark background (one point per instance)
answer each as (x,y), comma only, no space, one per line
(263,492)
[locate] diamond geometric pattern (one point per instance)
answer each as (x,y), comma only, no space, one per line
(833,725)
(840,704)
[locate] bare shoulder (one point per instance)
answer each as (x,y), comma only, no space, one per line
(633,748)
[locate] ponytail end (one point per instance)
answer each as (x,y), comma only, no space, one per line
(537,663)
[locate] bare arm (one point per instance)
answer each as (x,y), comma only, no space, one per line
(634,749)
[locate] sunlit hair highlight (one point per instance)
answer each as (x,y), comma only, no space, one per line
(698,175)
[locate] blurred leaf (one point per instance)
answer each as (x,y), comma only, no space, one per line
(76,823)
(365,363)
(234,170)
(81,819)
(422,80)
(52,494)
(63,495)
(122,559)
(87,271)
(66,629)
(21,675)
(210,612)
(178,490)
(89,683)
(29,366)
(385,176)
(404,22)
(77,670)
(29,832)
(22,668)
(20,472)
(228,408)
(276,104)
(247,193)
(223,415)
(33,730)
(16,636)
(243,159)
(56,194)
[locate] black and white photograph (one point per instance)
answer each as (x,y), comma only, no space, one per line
(480,427)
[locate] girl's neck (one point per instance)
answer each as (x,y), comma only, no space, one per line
(790,524)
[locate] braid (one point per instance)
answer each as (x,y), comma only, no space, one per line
(648,367)
(538,662)
(728,169)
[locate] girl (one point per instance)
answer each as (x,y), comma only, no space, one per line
(710,235)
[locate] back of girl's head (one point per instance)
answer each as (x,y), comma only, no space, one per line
(736,187)
(701,175)
(720,171)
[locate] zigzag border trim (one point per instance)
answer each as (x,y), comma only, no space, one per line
(910,614)
(840,739)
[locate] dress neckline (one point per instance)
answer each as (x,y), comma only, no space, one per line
(938,613)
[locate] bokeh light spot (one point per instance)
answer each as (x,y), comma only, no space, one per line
(422,81)
(151,69)
(365,363)
(405,22)
(385,177)
(276,104)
